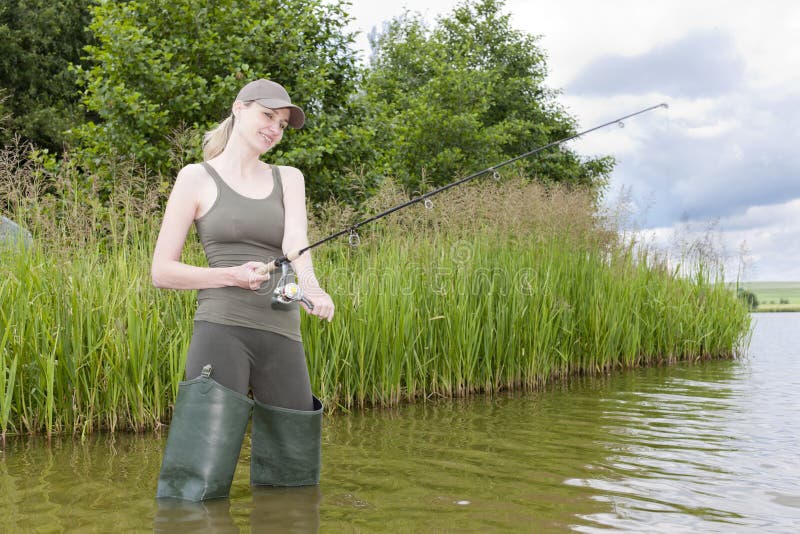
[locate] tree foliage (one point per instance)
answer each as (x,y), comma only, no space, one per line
(41,38)
(434,102)
(749,299)
(165,70)
(464,95)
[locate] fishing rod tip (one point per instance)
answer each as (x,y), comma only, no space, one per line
(664,105)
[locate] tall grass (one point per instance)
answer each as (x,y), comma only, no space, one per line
(500,285)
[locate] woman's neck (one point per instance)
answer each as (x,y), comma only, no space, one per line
(239,160)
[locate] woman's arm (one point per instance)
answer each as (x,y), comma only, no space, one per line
(167,271)
(295,237)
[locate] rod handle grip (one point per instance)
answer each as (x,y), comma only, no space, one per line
(271,266)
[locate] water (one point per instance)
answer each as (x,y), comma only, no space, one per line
(711,447)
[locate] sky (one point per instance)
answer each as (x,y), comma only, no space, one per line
(723,162)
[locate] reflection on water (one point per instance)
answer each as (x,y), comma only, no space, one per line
(273,511)
(709,447)
(285,510)
(179,517)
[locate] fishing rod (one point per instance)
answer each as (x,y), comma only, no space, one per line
(289,292)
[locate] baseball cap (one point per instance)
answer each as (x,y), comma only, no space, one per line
(272,95)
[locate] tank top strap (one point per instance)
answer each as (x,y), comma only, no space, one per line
(276,176)
(215,176)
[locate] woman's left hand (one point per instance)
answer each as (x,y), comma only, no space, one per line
(323,303)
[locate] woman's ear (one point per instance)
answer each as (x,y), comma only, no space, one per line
(237,106)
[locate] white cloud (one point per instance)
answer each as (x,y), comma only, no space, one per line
(576,32)
(715,129)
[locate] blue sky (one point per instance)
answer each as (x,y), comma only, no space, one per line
(726,155)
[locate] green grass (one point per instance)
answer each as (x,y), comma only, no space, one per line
(776,296)
(500,286)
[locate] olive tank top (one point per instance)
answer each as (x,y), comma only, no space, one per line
(235,230)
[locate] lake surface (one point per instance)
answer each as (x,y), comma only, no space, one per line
(709,447)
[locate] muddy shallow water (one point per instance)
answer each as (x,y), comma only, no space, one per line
(709,447)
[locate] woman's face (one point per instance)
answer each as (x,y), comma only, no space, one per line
(260,126)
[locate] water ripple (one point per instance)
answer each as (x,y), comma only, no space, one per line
(710,447)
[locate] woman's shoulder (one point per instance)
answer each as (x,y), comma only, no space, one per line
(289,173)
(193,171)
(193,181)
(193,175)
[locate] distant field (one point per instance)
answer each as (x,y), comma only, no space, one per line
(776,296)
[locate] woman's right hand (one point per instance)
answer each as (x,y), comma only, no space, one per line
(247,276)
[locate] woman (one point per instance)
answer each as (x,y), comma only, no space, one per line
(247,213)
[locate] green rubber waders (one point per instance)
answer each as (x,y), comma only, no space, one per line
(204,442)
(286,446)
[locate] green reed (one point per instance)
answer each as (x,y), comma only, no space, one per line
(419,321)
(500,286)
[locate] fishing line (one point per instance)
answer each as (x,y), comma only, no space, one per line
(288,293)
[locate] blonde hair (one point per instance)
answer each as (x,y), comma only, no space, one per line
(214,141)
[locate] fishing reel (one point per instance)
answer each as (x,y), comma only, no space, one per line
(288,292)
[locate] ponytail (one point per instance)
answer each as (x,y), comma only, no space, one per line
(214,141)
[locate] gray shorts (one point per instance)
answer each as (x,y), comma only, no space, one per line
(244,359)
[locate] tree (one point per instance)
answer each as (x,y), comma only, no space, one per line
(162,68)
(41,38)
(465,95)
(748,298)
